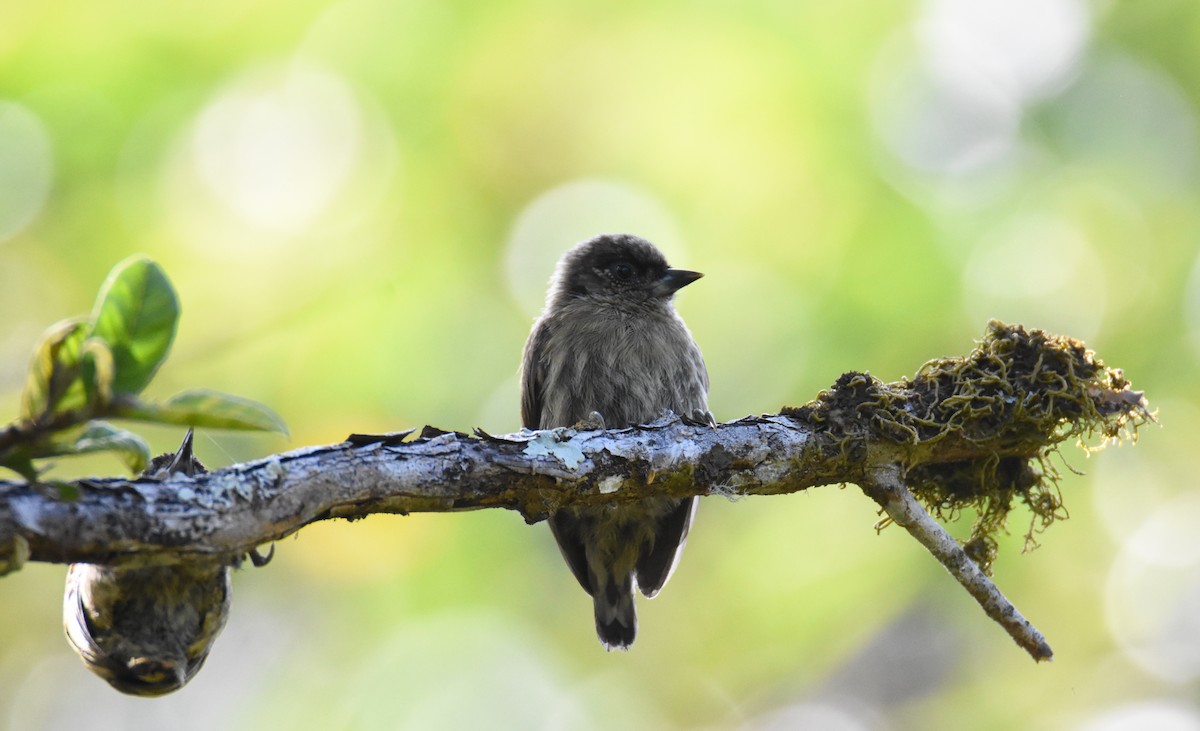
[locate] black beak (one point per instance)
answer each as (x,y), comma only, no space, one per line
(675,280)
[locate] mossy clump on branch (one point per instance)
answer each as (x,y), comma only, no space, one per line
(976,431)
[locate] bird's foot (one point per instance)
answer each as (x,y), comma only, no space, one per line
(593,421)
(699,417)
(258,559)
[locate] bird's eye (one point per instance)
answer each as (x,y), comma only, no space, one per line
(622,271)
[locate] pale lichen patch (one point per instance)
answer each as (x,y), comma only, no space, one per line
(545,445)
(610,484)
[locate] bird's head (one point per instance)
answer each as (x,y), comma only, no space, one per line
(618,268)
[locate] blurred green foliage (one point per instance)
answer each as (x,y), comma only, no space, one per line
(359,204)
(86,369)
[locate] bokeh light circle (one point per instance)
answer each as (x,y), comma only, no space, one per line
(1153,592)
(1126,115)
(1151,715)
(26,167)
(815,716)
(994,43)
(1040,270)
(275,149)
(938,125)
(283,151)
(569,213)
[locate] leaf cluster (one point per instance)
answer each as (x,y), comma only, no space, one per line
(86,370)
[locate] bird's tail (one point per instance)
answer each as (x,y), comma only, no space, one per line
(616,618)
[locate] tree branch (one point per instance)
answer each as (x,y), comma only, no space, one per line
(885,486)
(232,510)
(968,432)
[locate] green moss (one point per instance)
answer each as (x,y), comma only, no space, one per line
(976,432)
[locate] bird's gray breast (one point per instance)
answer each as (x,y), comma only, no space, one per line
(629,368)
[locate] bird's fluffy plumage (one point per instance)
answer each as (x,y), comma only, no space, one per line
(610,342)
(145,630)
(148,629)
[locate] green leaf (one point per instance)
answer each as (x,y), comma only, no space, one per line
(201,407)
(18,461)
(99,372)
(136,314)
(54,371)
(100,436)
(97,436)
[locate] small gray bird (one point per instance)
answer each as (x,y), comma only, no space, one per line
(147,630)
(610,343)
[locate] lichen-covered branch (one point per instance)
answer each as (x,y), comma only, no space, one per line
(231,510)
(973,431)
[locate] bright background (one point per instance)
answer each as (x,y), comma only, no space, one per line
(360,204)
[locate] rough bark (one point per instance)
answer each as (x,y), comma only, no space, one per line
(232,510)
(969,432)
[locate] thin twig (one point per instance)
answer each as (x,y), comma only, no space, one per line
(885,486)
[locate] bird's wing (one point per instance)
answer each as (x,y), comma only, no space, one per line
(655,566)
(80,631)
(565,527)
(533,376)
(564,524)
